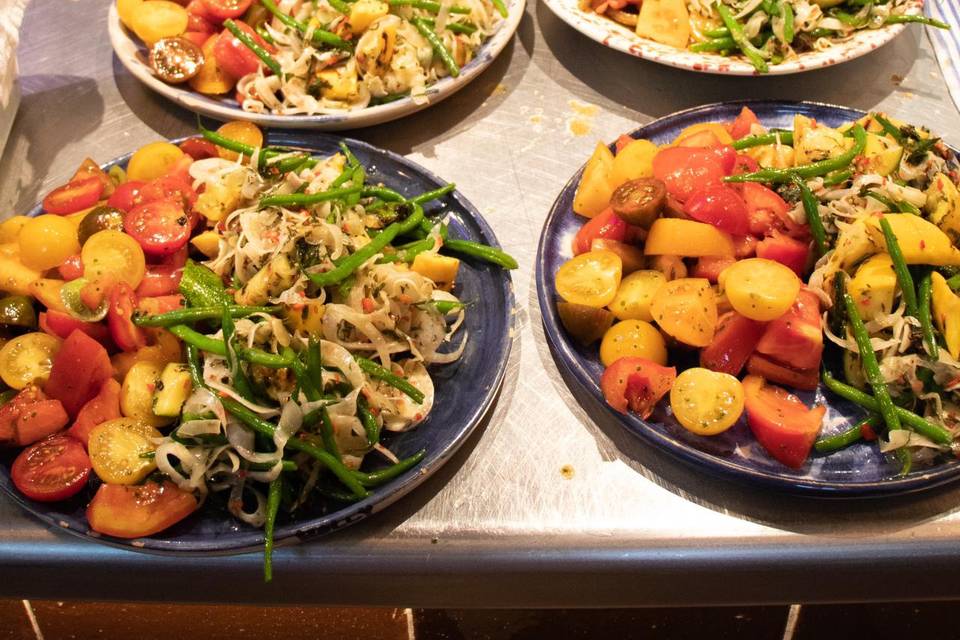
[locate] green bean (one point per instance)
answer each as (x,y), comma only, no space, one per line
(285,465)
(265,34)
(384,193)
(218,348)
(837,177)
(718,44)
(292,163)
(917,423)
(326,432)
(954,282)
(336,494)
(789,31)
(304,379)
(845,438)
(822,33)
(889,128)
(193,364)
(273,506)
(375,246)
(367,419)
(773,137)
(924,316)
(753,54)
(380,476)
(409,253)
(904,278)
(426,5)
(378,372)
(261,426)
(320,37)
(906,460)
(357,180)
(435,194)
(438,47)
(352,160)
(897,19)
(307,199)
(849,19)
(882,199)
(483,252)
(501,8)
(196,314)
(340,5)
(315,362)
(391,97)
(871,367)
(812,209)
(807,171)
(244,37)
(240,382)
(721,32)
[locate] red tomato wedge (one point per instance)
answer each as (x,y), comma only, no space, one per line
(30,416)
(720,206)
(135,511)
(53,469)
(199,148)
(744,164)
(126,196)
(727,156)
(636,384)
(160,227)
(740,128)
(684,170)
(709,267)
(765,208)
(80,367)
(161,304)
(126,335)
(71,268)
(787,251)
(90,169)
(198,38)
(234,57)
(780,421)
(159,280)
(223,9)
(607,226)
(74,196)
(100,408)
(736,338)
(60,324)
(796,338)
(769,369)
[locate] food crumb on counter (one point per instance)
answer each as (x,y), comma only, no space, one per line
(567,471)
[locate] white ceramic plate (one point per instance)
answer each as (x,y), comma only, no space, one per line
(132,55)
(616,36)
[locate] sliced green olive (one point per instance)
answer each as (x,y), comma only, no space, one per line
(99,219)
(175,60)
(585,324)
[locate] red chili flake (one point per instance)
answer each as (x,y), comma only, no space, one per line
(923,245)
(368,305)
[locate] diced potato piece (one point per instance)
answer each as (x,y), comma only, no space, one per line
(666,21)
(339,82)
(921,242)
(136,393)
(276,277)
(778,156)
(874,286)
(687,238)
(218,199)
(943,206)
(633,298)
(172,390)
(945,305)
(364,12)
(207,243)
(441,269)
(596,185)
(634,161)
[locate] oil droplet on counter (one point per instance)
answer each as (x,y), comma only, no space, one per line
(536,119)
(584,108)
(566,471)
(578,127)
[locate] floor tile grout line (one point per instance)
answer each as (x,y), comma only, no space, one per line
(793,617)
(32,617)
(411,631)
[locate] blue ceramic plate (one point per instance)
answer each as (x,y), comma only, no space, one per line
(465,390)
(860,470)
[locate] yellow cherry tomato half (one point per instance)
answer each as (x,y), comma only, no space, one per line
(46,241)
(28,358)
(116,450)
(240,131)
(156,19)
(113,254)
(706,402)
(152,160)
(591,278)
(633,338)
(760,289)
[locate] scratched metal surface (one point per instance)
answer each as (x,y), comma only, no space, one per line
(501,525)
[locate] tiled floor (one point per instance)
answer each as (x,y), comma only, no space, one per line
(64,620)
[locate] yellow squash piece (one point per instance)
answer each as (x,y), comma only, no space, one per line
(136,393)
(596,185)
(882,154)
(339,82)
(874,286)
(364,12)
(441,269)
(813,142)
(634,161)
(687,238)
(945,305)
(666,21)
(716,128)
(219,198)
(921,242)
(943,206)
(207,243)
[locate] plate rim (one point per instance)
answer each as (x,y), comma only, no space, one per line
(385,496)
(488,52)
(565,355)
(619,38)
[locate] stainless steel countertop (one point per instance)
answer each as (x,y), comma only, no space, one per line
(500,525)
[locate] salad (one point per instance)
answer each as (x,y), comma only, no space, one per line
(226,322)
(765,32)
(740,254)
(323,56)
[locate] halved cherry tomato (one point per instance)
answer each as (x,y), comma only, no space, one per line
(709,267)
(125,334)
(223,9)
(198,38)
(126,196)
(176,260)
(198,148)
(780,421)
(30,416)
(90,169)
(736,338)
(53,469)
(785,250)
(135,511)
(233,56)
(720,206)
(73,196)
(170,187)
(199,25)
(636,384)
(740,128)
(160,227)
(796,337)
(102,407)
(198,8)
(687,169)
(71,268)
(744,164)
(606,225)
(79,369)
(159,280)
(60,324)
(727,156)
(160,304)
(764,207)
(768,369)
